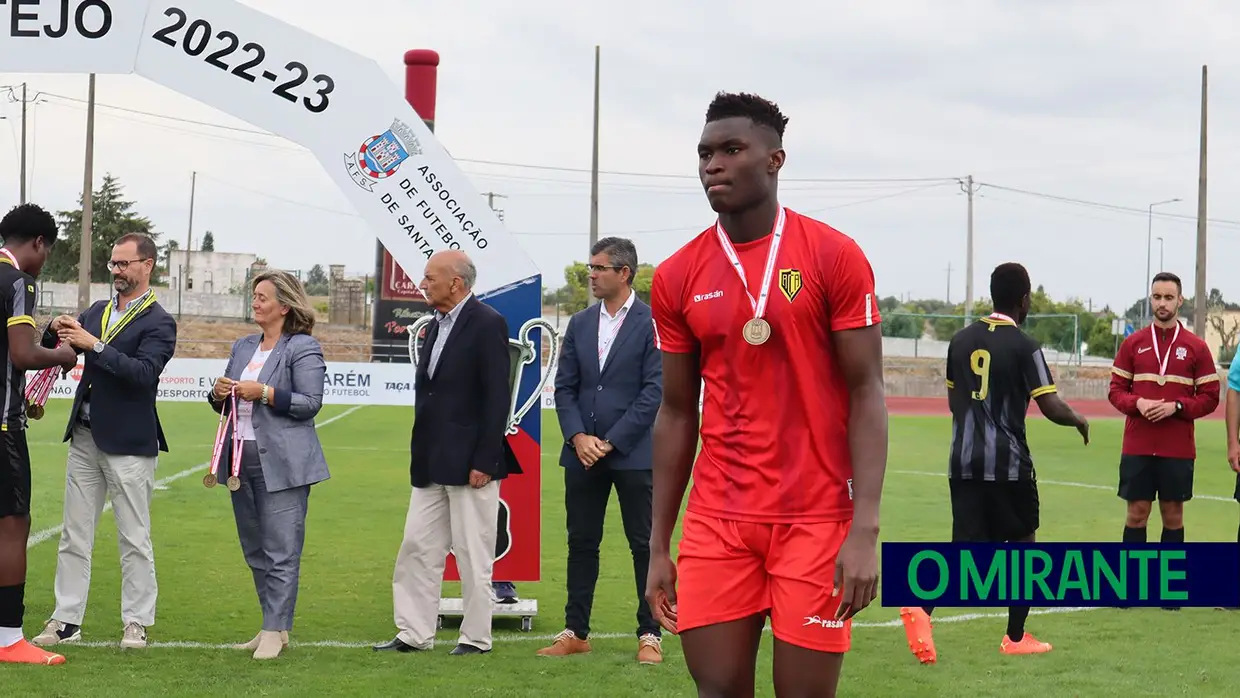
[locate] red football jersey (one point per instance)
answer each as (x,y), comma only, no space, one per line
(775,416)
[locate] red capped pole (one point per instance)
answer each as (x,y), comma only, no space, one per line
(396,300)
(422,82)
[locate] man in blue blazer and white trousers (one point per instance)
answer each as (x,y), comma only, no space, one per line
(607,392)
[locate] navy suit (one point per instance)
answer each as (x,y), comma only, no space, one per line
(122,381)
(616,402)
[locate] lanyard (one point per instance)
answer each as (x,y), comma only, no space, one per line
(759,305)
(1161,358)
(1001,318)
(5,251)
(615,331)
(110,333)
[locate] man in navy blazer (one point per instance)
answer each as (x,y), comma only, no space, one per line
(115,439)
(608,387)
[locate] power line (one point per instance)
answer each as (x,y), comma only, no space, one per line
(519,165)
(1105,206)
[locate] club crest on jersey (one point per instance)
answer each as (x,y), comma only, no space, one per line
(790,283)
(1181,353)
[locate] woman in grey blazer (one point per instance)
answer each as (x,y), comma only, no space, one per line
(277,377)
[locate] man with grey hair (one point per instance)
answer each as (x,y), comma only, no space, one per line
(458,455)
(607,392)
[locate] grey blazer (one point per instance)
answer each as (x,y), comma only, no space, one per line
(288,444)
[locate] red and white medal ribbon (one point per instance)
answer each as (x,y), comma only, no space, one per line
(777,234)
(1001,318)
(39,389)
(228,418)
(1161,358)
(5,251)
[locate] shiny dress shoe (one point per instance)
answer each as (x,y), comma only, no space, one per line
(467,649)
(396,644)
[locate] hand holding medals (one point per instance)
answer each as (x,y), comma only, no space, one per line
(39,389)
(756,330)
(228,418)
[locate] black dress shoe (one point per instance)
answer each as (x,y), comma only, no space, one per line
(397,645)
(467,649)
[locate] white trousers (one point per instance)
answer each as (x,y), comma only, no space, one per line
(460,520)
(91,477)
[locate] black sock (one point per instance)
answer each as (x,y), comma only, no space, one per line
(1173,535)
(1134,535)
(12,606)
(928,609)
(1017,615)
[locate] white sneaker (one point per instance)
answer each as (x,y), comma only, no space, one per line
(134,638)
(56,633)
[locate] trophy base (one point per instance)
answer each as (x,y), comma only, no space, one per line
(525,609)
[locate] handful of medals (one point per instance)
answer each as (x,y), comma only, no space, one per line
(38,390)
(228,418)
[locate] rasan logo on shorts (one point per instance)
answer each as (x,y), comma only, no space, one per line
(708,296)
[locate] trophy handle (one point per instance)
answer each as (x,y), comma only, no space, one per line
(525,346)
(415,344)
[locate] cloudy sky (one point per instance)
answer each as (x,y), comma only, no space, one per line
(890,104)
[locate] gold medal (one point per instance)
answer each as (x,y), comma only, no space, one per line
(1162,380)
(234,483)
(757,331)
(37,411)
(209,480)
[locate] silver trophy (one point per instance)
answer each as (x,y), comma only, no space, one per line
(521,353)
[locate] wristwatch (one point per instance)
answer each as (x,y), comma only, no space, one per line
(98,347)
(1179,406)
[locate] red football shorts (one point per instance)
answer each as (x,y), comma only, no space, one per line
(728,570)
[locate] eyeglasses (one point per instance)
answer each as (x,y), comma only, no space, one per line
(602,267)
(123,264)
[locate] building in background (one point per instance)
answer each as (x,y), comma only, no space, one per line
(210,272)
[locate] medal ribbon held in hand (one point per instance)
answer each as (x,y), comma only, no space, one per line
(228,418)
(40,389)
(757,330)
(1162,359)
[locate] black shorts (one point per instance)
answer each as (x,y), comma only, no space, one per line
(1144,478)
(14,474)
(993,512)
(1236,494)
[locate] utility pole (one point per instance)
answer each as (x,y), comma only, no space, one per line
(1199,314)
(949,283)
(189,232)
(491,197)
(594,163)
(967,185)
(88,201)
(23,148)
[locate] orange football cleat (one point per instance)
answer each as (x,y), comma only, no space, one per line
(23,652)
(920,636)
(1027,645)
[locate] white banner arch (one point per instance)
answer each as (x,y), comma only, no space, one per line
(336,103)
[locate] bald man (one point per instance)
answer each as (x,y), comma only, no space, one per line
(458,455)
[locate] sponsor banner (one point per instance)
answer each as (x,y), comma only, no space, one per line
(346,383)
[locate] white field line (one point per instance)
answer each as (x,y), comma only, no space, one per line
(523,637)
(161,484)
(1062,483)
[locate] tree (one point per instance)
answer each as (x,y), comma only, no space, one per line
(112,217)
(165,255)
(208,241)
(574,295)
(316,281)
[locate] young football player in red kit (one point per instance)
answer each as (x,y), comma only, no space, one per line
(776,313)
